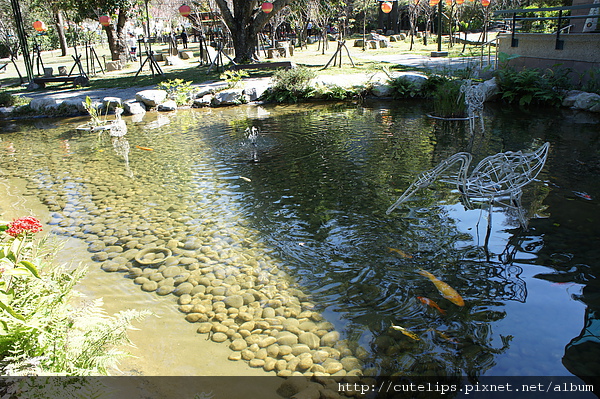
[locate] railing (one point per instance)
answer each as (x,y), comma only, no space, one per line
(561,18)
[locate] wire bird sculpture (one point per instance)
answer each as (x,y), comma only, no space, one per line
(474,99)
(493,179)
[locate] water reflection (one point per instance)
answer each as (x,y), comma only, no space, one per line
(318,194)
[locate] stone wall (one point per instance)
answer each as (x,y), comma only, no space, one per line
(580,52)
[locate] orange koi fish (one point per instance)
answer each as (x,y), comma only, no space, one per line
(429,302)
(409,334)
(144,148)
(399,252)
(447,292)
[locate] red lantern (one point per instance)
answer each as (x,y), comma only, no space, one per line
(185,10)
(39,26)
(449,3)
(267,7)
(485,3)
(416,1)
(433,3)
(386,7)
(104,20)
(460,1)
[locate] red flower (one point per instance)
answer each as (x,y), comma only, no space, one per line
(27,224)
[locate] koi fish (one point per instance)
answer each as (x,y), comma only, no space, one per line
(144,148)
(406,332)
(399,252)
(429,302)
(583,195)
(245,179)
(447,338)
(447,292)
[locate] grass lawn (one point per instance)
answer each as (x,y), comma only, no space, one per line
(312,57)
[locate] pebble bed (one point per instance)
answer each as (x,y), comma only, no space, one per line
(223,277)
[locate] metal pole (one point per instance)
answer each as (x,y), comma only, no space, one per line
(22,38)
(439,40)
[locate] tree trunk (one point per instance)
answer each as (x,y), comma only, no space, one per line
(116,39)
(245,21)
(59,22)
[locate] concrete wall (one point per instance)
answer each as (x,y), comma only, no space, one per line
(580,52)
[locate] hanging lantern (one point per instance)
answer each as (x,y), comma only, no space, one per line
(104,20)
(433,3)
(267,7)
(39,26)
(185,10)
(416,1)
(386,7)
(460,1)
(449,3)
(485,3)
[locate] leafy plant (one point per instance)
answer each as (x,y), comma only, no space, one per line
(233,78)
(177,90)
(93,110)
(531,86)
(335,92)
(290,85)
(8,100)
(402,87)
(592,82)
(41,331)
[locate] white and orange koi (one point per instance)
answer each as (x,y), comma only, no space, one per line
(404,331)
(429,302)
(399,252)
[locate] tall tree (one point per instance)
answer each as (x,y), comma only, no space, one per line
(120,11)
(245,20)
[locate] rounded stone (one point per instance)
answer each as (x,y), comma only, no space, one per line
(234,301)
(235,356)
(306,362)
(219,337)
(309,339)
(238,345)
(299,349)
(287,338)
(171,271)
(165,290)
(204,328)
(256,363)
(350,363)
(100,256)
(150,286)
(330,339)
(332,366)
(183,289)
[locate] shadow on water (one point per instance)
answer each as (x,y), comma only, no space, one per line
(315,182)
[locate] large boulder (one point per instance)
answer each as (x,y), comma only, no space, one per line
(490,89)
(133,107)
(169,105)
(151,98)
(42,103)
(229,97)
(587,102)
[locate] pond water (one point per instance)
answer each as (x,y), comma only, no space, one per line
(299,207)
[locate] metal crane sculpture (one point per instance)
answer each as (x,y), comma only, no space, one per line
(493,179)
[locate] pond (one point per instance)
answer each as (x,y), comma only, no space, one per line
(294,216)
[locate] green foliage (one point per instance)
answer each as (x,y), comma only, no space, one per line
(233,78)
(592,81)
(402,87)
(531,86)
(335,92)
(177,89)
(448,101)
(290,85)
(42,329)
(8,100)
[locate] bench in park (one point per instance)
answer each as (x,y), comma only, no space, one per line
(78,80)
(263,65)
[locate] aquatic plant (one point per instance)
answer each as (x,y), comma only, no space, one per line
(532,86)
(448,101)
(42,331)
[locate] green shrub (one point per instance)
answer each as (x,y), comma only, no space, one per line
(531,86)
(335,92)
(402,87)
(448,101)
(290,85)
(177,90)
(233,78)
(592,82)
(8,100)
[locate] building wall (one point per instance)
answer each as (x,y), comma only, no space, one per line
(580,52)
